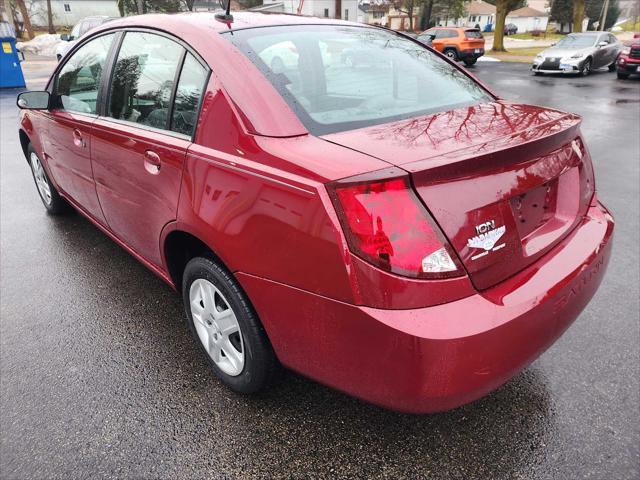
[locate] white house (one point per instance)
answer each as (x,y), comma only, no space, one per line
(69,12)
(374,12)
(348,9)
(477,12)
(528,19)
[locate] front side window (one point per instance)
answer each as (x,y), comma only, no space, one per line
(143,79)
(190,87)
(78,81)
(339,78)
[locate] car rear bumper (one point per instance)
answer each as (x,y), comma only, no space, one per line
(471,53)
(437,358)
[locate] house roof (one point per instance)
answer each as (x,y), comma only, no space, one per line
(527,12)
(478,7)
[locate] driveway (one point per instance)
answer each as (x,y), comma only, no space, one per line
(100,379)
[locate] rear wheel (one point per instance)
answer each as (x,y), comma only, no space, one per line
(225,326)
(586,67)
(451,54)
(623,76)
(50,197)
(470,61)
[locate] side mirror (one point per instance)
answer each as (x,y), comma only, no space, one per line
(64,37)
(33,100)
(603,44)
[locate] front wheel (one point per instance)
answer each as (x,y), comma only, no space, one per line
(586,68)
(50,197)
(612,67)
(225,326)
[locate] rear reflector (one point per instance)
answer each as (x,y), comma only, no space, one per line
(386,225)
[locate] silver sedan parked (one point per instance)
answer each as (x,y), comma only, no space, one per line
(579,53)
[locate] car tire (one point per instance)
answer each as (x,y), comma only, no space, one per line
(612,67)
(586,67)
(451,54)
(623,76)
(51,199)
(226,327)
(470,61)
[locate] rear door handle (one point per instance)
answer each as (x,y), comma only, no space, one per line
(78,141)
(152,162)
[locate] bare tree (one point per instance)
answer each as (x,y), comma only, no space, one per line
(189,4)
(25,18)
(503,7)
(50,17)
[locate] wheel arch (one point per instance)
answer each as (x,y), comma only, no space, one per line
(178,246)
(24,142)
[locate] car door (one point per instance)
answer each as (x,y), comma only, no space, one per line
(601,54)
(438,41)
(74,109)
(140,140)
(614,49)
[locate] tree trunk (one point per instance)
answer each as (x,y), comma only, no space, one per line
(578,15)
(25,18)
(427,15)
(140,6)
(498,34)
(50,17)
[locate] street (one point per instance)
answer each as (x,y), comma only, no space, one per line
(100,377)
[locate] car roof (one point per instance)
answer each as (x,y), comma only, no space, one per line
(241,20)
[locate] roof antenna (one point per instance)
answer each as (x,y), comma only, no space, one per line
(225,17)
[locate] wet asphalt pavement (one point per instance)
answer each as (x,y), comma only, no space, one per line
(100,378)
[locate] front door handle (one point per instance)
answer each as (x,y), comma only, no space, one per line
(152,162)
(78,141)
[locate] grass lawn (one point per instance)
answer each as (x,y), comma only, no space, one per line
(528,36)
(631,25)
(523,55)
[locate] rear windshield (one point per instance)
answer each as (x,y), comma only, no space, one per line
(472,34)
(577,41)
(339,78)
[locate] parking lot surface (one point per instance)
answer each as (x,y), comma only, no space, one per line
(100,379)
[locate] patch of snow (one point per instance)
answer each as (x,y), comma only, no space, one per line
(484,58)
(41,45)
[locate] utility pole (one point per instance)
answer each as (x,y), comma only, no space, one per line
(604,14)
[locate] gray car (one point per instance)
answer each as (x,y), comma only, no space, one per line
(579,53)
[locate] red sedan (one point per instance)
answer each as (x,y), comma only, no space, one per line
(390,227)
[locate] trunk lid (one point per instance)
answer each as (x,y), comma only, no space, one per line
(505,182)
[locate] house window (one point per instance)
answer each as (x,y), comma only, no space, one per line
(67,7)
(326,13)
(346,14)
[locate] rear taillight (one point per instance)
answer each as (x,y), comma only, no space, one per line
(386,224)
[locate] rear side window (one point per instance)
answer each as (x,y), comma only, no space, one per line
(451,34)
(78,81)
(143,79)
(472,34)
(188,94)
(338,78)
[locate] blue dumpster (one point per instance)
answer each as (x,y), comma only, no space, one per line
(10,69)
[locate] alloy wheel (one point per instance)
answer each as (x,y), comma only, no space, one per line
(217,327)
(41,178)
